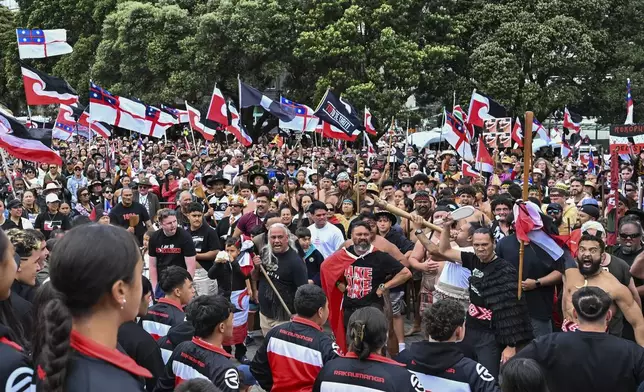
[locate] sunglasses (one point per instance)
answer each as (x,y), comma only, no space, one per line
(108,192)
(629,236)
(84,194)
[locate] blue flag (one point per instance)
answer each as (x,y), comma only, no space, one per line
(339,114)
(250,96)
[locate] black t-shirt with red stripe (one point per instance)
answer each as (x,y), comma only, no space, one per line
(171,250)
(377,373)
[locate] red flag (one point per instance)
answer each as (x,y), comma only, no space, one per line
(517,133)
(569,123)
(194,117)
(367,123)
(218,111)
(236,127)
(484,161)
(332,132)
(469,171)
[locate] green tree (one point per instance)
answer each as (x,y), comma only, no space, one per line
(139,51)
(367,51)
(11,89)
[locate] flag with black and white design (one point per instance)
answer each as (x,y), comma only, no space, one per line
(250,96)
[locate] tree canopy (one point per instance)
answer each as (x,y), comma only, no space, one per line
(538,55)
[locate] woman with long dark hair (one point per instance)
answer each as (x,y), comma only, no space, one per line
(367,336)
(84,206)
(303,206)
(15,366)
(98,285)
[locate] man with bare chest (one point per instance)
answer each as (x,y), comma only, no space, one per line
(590,273)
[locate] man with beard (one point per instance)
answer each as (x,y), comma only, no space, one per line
(343,183)
(601,362)
(568,211)
(287,272)
(501,208)
(254,218)
(146,198)
(555,211)
(589,273)
(577,191)
(363,274)
(422,207)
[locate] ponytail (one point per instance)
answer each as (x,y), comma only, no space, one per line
(358,344)
(55,350)
(367,332)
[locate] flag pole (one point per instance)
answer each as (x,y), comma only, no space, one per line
(527,166)
(240,107)
(6,170)
(194,143)
(390,131)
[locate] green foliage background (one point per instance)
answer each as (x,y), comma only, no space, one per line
(529,55)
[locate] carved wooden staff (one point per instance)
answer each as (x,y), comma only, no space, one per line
(527,168)
(402,213)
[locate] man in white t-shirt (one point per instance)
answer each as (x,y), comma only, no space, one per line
(326,237)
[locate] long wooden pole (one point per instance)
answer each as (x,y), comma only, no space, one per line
(403,214)
(527,168)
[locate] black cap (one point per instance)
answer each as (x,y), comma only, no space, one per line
(554,208)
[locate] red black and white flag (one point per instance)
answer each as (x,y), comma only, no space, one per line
(572,121)
(196,123)
(43,89)
(19,142)
(237,128)
(368,125)
(484,108)
(469,171)
(517,133)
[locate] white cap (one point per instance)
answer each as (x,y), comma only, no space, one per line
(51,198)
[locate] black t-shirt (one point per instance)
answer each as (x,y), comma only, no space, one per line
(120,216)
(629,258)
(46,222)
(536,264)
(287,277)
(171,250)
(364,276)
(587,361)
(205,239)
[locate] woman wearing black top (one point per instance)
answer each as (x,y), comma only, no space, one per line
(497,322)
(15,366)
(363,367)
(139,344)
(98,289)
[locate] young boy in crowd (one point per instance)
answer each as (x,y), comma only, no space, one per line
(311,256)
(232,271)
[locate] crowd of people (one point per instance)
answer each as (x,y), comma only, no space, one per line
(150,268)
